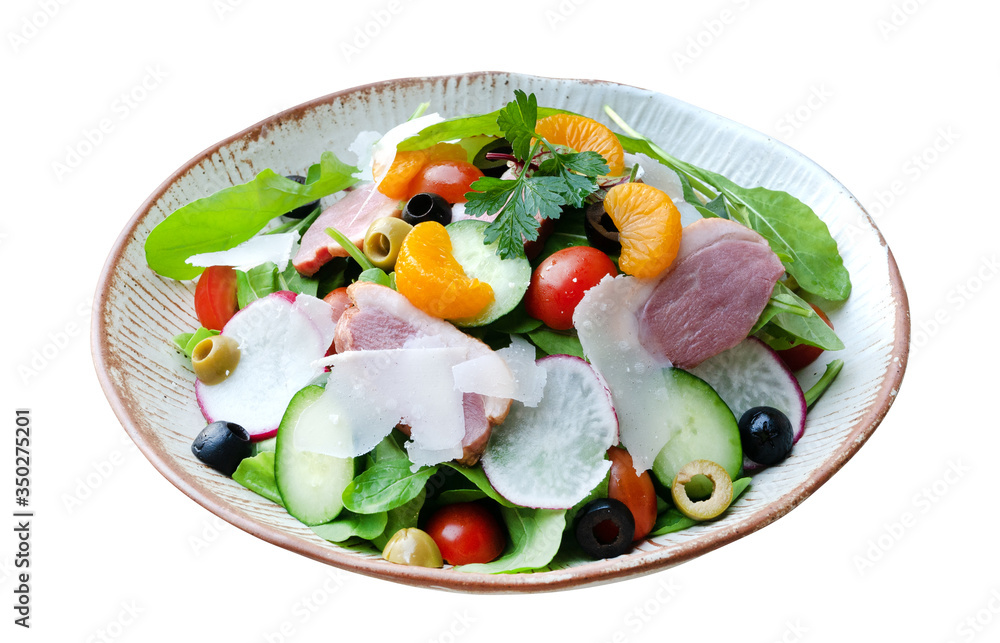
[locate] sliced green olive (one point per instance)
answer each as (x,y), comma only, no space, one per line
(714,505)
(412,546)
(215,358)
(384,239)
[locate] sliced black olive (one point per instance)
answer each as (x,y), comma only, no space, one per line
(604,528)
(601,230)
(493,167)
(222,445)
(427,206)
(766,435)
(302,211)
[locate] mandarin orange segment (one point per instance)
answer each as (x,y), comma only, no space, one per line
(649,228)
(429,276)
(407,164)
(584,135)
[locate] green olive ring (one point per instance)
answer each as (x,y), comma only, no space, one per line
(714,505)
(383,240)
(412,546)
(215,358)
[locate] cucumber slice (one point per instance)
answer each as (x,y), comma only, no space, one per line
(311,484)
(509,278)
(705,429)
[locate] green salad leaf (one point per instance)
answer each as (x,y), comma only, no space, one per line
(781,329)
(555,342)
(829,375)
(477,476)
(261,281)
(351,525)
(385,485)
(231,216)
(257,475)
(464,127)
(187,341)
(401,517)
(535,535)
(673,520)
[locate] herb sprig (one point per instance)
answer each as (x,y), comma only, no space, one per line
(561,179)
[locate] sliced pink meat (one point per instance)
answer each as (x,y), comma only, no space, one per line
(351,215)
(713,294)
(383,319)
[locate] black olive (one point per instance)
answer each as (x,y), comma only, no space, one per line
(427,206)
(222,445)
(601,230)
(604,528)
(490,167)
(766,435)
(302,211)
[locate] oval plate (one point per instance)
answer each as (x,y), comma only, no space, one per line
(150,385)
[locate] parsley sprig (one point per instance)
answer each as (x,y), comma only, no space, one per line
(561,179)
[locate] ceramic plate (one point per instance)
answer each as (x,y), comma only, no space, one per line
(150,385)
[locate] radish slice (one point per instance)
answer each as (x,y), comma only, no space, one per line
(751,374)
(278,342)
(552,455)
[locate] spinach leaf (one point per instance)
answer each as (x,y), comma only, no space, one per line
(516,322)
(557,343)
(477,476)
(463,127)
(535,535)
(265,279)
(785,329)
(350,525)
(816,391)
(385,485)
(257,475)
(673,520)
(231,216)
(799,237)
(401,517)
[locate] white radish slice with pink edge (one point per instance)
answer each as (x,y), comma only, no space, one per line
(552,455)
(751,374)
(280,337)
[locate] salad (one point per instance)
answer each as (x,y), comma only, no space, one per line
(502,340)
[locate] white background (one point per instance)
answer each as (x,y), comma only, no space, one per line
(896,98)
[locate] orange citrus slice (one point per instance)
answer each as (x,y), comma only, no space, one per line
(649,228)
(584,135)
(407,164)
(428,274)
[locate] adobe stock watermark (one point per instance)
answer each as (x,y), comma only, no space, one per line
(899,15)
(306,607)
(128,613)
(57,342)
(119,110)
(914,169)
(34,22)
(793,633)
(711,30)
(958,297)
(793,120)
(559,13)
(96,475)
(921,504)
(223,8)
(210,532)
(365,33)
(638,618)
(458,627)
(979,621)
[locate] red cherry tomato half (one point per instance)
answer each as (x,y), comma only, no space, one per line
(559,283)
(466,532)
(450,179)
(215,297)
(635,491)
(802,355)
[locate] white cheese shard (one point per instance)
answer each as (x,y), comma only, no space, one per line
(384,151)
(529,377)
(276,248)
(606,320)
(369,392)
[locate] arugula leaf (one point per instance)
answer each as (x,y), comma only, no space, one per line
(785,329)
(477,476)
(351,525)
(463,127)
(673,520)
(265,279)
(535,535)
(816,390)
(401,517)
(516,322)
(257,475)
(792,229)
(187,341)
(557,343)
(231,216)
(385,485)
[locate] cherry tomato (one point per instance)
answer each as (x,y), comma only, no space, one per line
(215,297)
(450,179)
(466,532)
(802,355)
(635,491)
(559,283)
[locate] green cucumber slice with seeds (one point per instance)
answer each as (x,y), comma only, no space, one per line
(703,429)
(311,484)
(509,278)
